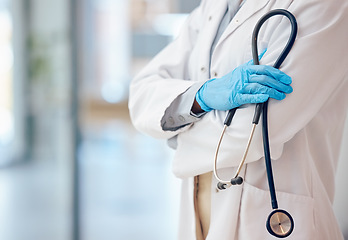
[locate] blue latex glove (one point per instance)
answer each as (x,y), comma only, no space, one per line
(247,83)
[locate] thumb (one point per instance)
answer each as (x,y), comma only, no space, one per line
(251,62)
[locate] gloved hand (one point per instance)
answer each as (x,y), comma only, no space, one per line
(247,83)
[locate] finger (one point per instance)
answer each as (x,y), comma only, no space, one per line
(252,98)
(269,71)
(256,88)
(270,82)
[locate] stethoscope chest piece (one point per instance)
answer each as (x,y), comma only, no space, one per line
(280,223)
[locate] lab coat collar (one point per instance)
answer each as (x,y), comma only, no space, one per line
(248,9)
(213,19)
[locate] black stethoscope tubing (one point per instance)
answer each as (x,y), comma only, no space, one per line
(276,229)
(264,106)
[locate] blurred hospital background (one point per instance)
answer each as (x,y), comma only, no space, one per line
(71,164)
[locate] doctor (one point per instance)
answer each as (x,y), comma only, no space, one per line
(184,92)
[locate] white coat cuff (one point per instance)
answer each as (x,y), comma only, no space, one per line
(179,114)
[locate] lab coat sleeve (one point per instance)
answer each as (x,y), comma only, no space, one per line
(166,77)
(317,63)
(179,114)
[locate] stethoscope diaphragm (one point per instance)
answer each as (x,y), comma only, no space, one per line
(280,223)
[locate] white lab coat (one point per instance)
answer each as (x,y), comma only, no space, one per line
(305,129)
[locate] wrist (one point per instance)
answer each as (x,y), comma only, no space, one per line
(200,105)
(196,108)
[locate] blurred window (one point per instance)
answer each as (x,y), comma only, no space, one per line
(105,50)
(6,63)
(117,39)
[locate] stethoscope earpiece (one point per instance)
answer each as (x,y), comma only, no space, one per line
(221,186)
(234,181)
(280,223)
(237,181)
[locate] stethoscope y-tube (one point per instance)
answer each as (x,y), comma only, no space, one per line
(279,223)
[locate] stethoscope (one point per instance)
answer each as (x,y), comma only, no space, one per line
(279,223)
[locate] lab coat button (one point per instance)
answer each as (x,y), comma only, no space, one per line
(215,74)
(181,118)
(210,17)
(171,121)
(203,69)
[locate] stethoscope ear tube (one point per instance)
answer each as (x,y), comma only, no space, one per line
(229,116)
